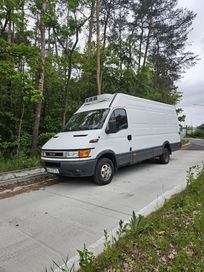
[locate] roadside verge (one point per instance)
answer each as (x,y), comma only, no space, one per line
(97,248)
(16,182)
(163,236)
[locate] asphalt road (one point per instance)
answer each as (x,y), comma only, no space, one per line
(45,225)
(196,144)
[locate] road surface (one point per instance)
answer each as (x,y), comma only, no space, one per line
(196,144)
(45,225)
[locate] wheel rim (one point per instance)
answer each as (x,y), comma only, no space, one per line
(106,172)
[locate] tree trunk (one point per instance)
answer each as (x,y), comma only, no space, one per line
(19,129)
(89,47)
(41,82)
(9,32)
(120,50)
(70,55)
(49,38)
(147,46)
(104,38)
(64,118)
(98,58)
(106,23)
(140,47)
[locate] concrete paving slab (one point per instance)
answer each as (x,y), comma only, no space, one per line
(45,225)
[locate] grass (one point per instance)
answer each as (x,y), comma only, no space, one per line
(18,162)
(170,239)
(184,141)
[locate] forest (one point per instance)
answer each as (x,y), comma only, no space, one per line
(55,53)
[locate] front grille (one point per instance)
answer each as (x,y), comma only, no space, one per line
(52,164)
(54,154)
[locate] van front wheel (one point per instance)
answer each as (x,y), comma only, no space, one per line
(104,171)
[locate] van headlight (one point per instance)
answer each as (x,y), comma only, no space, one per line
(43,153)
(79,153)
(72,154)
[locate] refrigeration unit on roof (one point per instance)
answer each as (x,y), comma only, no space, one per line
(98,98)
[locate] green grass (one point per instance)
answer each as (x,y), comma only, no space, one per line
(170,239)
(184,141)
(18,162)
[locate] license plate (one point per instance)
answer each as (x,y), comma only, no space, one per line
(53,170)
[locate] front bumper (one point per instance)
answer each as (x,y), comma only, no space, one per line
(84,168)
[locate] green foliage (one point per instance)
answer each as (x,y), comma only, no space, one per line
(25,142)
(184,141)
(181,118)
(44,137)
(199,133)
(86,260)
(36,95)
(21,161)
(132,61)
(62,268)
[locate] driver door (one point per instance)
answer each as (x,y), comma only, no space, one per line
(120,139)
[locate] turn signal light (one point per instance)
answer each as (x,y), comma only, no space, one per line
(84,153)
(93,141)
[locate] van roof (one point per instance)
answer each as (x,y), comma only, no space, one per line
(102,101)
(119,99)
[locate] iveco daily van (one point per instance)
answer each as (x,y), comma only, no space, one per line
(110,131)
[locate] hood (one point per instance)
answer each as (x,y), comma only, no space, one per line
(72,140)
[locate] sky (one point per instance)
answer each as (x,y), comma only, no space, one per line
(192,82)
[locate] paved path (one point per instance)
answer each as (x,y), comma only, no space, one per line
(45,225)
(196,144)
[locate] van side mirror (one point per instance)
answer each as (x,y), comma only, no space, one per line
(112,127)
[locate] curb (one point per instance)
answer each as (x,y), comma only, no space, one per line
(98,247)
(197,139)
(183,147)
(4,176)
(22,177)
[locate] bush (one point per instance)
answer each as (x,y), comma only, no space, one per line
(199,133)
(44,137)
(8,149)
(26,140)
(21,161)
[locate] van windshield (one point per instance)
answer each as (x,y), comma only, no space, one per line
(87,120)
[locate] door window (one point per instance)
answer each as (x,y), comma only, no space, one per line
(120,116)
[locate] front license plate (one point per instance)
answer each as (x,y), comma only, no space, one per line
(53,170)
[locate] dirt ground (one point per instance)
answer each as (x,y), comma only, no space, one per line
(10,190)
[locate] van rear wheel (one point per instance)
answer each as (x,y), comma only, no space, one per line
(165,157)
(104,171)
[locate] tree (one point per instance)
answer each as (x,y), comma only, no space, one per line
(98,55)
(47,69)
(38,106)
(64,33)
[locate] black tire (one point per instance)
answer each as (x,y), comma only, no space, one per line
(104,171)
(165,157)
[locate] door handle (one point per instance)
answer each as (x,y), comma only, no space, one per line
(129,137)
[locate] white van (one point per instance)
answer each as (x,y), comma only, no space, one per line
(110,131)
